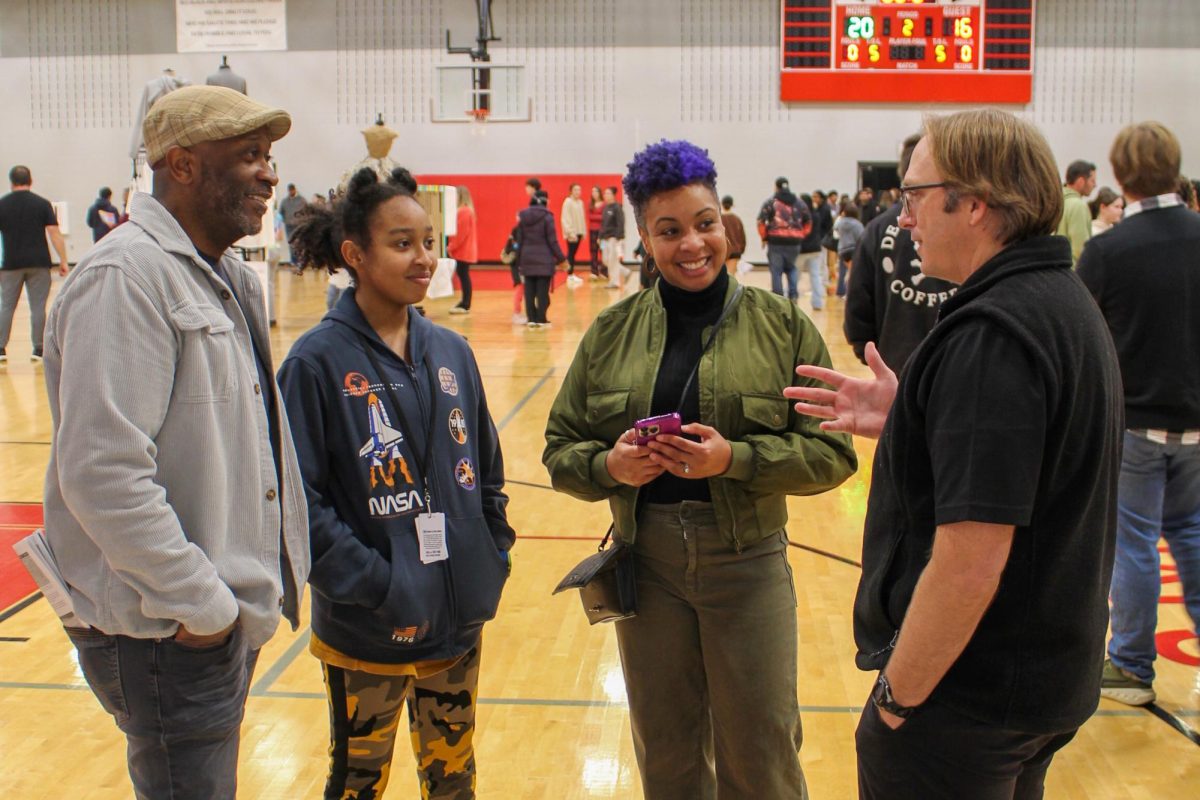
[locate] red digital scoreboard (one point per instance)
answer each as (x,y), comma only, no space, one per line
(907,51)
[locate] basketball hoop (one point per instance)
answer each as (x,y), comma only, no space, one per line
(478,117)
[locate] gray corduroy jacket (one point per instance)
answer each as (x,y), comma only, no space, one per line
(163,504)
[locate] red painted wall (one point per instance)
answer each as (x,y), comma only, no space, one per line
(498,198)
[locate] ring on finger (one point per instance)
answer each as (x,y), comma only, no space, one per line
(686,467)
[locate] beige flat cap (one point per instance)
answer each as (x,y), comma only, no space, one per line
(197,114)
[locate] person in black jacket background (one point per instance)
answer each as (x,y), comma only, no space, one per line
(538,256)
(404,479)
(889,300)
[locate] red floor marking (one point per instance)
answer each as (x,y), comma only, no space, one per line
(486,279)
(16,521)
(21,514)
(1168,647)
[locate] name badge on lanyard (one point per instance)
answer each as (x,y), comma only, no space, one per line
(431,536)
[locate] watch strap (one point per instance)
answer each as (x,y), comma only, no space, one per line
(882,697)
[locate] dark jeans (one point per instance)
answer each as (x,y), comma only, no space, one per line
(843,270)
(572,249)
(781,260)
(537,297)
(463,270)
(180,709)
(939,753)
(1158,495)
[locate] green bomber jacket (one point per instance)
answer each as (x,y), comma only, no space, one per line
(776,452)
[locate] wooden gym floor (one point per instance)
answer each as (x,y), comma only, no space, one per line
(552,722)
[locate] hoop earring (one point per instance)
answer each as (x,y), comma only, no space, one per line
(651,266)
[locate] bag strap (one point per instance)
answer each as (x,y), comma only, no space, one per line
(712,335)
(607,536)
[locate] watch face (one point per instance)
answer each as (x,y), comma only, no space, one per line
(881,696)
(881,692)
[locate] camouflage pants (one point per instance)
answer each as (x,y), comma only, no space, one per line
(364,713)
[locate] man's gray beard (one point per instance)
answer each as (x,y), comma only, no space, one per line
(231,209)
(227,207)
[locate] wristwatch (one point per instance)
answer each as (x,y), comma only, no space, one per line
(881,696)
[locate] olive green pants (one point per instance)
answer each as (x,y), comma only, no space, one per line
(710,662)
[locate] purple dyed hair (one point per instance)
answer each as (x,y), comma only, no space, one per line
(664,166)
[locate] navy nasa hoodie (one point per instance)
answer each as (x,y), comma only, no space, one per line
(362,464)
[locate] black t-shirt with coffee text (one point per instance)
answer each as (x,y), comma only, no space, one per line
(24,217)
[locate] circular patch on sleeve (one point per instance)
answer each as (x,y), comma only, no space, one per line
(464,473)
(458,426)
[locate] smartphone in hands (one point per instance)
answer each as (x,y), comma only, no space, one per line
(646,430)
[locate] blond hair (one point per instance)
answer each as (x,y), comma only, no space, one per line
(464,197)
(1005,162)
(1145,159)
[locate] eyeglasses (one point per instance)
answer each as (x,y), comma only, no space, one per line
(905,202)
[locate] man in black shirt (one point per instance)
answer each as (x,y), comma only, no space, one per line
(1145,276)
(889,300)
(26,219)
(991,519)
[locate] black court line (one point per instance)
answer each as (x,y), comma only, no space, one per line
(521,403)
(527,483)
(1175,722)
(797,545)
(526,538)
(14,441)
(825,553)
(14,638)
(263,684)
(12,611)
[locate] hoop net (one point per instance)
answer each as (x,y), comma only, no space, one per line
(478,117)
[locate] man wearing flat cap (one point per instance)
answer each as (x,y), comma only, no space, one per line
(173,501)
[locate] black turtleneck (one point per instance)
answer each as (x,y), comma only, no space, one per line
(688,314)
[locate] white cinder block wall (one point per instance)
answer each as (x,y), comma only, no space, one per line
(605,77)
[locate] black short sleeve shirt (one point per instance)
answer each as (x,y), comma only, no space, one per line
(24,217)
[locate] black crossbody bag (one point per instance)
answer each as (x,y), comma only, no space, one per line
(607,579)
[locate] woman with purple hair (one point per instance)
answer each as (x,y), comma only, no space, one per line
(710,657)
